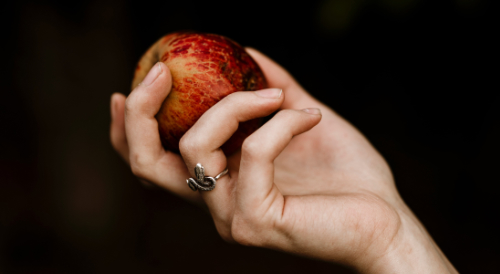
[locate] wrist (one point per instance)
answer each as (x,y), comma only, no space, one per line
(411,251)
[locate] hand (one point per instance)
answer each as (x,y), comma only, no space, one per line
(305,183)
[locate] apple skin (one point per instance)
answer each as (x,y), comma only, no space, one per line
(205,68)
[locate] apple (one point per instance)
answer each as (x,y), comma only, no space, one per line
(205,68)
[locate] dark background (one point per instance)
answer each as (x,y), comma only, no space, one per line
(417,77)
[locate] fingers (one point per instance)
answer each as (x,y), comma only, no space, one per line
(218,124)
(134,134)
(117,128)
(278,77)
(201,144)
(256,175)
(141,125)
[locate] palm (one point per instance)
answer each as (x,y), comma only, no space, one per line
(333,170)
(333,157)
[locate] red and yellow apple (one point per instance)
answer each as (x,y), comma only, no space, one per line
(205,68)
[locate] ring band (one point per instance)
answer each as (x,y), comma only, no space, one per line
(202,182)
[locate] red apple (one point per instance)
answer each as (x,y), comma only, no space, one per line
(205,68)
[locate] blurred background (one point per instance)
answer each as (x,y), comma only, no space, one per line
(417,77)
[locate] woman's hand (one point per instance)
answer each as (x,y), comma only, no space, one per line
(134,135)
(307,182)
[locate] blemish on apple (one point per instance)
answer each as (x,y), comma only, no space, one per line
(205,68)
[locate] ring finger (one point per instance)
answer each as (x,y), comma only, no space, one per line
(201,144)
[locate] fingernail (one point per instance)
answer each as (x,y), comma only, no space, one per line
(274,93)
(152,74)
(314,111)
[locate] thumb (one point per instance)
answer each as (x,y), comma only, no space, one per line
(277,77)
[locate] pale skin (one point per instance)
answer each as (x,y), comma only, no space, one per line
(307,182)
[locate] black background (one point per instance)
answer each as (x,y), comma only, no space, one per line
(417,77)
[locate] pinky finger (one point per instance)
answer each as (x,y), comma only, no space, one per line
(117,130)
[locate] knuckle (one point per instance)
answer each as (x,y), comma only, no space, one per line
(187,145)
(234,103)
(193,144)
(129,104)
(137,102)
(251,148)
(139,165)
(232,98)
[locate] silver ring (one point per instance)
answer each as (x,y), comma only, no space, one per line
(201,181)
